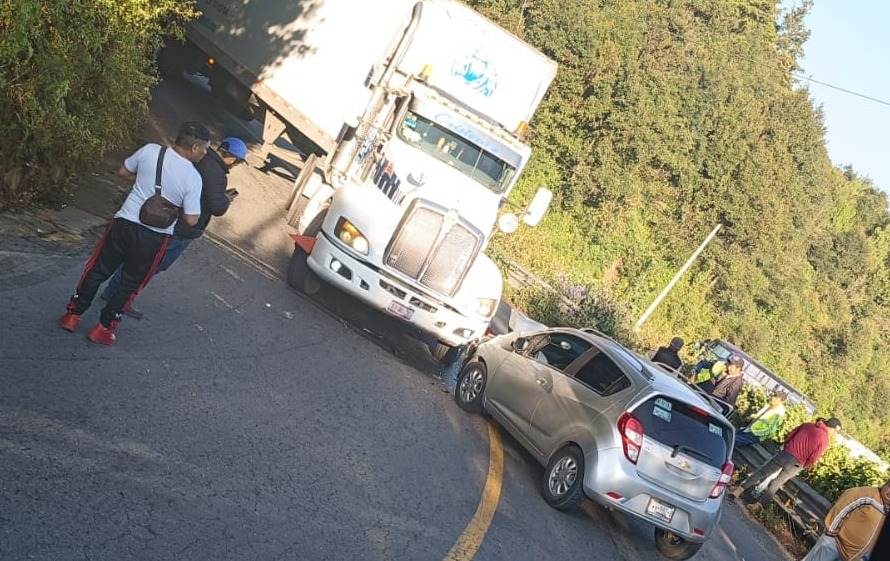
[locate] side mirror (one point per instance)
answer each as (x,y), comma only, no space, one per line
(520,344)
(508,223)
(538,207)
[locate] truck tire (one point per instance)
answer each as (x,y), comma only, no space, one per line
(299,276)
(443,352)
(673,546)
(235,97)
(170,60)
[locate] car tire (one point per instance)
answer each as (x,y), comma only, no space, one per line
(299,276)
(671,546)
(469,391)
(563,486)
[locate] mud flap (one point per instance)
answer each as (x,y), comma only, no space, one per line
(306,243)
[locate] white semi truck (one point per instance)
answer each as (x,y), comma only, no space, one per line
(417,113)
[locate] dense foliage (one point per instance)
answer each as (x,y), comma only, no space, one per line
(74,83)
(667,117)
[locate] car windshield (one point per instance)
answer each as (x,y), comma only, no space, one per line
(445,145)
(689,430)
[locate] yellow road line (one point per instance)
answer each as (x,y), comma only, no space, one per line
(469,541)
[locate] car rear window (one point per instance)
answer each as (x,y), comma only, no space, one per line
(678,424)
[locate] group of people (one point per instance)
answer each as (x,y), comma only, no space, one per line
(723,380)
(855,525)
(190,181)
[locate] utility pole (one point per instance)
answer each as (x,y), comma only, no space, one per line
(676,278)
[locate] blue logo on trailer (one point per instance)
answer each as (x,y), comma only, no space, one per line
(477,72)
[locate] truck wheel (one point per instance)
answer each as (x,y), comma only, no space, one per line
(299,276)
(672,546)
(170,58)
(234,96)
(442,352)
(563,486)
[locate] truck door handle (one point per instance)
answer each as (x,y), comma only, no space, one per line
(544,383)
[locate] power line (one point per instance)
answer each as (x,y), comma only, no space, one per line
(840,89)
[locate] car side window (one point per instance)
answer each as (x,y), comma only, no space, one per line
(602,375)
(559,350)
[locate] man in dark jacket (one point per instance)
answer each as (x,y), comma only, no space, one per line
(215,199)
(803,448)
(729,385)
(669,355)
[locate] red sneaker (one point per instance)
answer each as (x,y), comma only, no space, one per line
(69,322)
(102,335)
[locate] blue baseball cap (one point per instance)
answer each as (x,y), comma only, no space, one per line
(234,146)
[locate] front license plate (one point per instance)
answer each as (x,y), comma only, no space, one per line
(660,510)
(400,310)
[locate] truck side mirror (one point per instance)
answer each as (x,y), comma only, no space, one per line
(538,207)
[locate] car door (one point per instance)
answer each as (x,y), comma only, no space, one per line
(578,401)
(524,378)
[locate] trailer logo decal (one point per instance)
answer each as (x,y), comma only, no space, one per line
(477,72)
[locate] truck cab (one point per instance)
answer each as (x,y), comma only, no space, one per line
(416,190)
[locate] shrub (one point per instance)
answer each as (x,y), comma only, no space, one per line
(837,471)
(576,305)
(74,83)
(751,400)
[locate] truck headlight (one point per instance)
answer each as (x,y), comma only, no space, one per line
(347,233)
(487,306)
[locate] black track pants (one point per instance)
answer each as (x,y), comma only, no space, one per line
(127,244)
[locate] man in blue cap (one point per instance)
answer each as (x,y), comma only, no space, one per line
(215,199)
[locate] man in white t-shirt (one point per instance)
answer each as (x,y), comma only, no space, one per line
(130,244)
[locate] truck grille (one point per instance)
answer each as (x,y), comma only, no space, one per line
(433,247)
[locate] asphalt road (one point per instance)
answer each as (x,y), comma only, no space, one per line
(240,420)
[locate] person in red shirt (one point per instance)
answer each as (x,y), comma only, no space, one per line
(804,446)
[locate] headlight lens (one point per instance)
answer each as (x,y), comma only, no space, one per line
(347,233)
(487,306)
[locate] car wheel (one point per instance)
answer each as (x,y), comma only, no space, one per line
(470,388)
(563,487)
(672,546)
(299,276)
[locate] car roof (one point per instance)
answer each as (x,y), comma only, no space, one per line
(644,370)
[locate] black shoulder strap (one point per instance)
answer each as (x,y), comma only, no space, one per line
(158,169)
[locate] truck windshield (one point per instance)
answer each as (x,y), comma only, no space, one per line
(469,159)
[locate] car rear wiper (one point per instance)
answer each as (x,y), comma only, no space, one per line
(680,448)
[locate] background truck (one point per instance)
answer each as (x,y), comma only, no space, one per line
(412,116)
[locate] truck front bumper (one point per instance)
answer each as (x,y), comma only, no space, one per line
(394,296)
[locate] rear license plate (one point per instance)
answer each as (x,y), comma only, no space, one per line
(400,310)
(660,510)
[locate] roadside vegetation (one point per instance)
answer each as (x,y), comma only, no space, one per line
(74,84)
(667,118)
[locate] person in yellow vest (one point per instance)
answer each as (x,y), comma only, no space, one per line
(705,374)
(766,423)
(853,525)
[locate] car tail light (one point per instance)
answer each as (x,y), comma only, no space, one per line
(725,479)
(631,430)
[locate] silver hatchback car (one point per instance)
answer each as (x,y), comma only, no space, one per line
(609,425)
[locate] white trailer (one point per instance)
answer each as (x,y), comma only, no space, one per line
(417,112)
